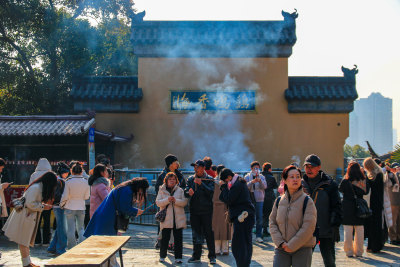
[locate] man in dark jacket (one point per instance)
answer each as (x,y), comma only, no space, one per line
(269,197)
(172,165)
(200,191)
(236,195)
(324,191)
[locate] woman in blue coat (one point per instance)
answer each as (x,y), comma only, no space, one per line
(121,198)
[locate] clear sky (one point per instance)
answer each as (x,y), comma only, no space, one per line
(329,34)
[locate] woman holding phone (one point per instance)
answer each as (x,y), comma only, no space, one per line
(22,225)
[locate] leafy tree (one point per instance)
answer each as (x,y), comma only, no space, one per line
(115,51)
(396,154)
(355,151)
(44,44)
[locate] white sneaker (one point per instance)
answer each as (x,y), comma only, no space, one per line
(259,240)
(243,216)
(162,259)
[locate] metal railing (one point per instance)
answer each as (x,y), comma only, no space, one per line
(147,218)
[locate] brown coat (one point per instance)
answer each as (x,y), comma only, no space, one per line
(287,223)
(222,229)
(178,208)
(21,227)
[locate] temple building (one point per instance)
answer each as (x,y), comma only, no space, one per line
(220,89)
(26,139)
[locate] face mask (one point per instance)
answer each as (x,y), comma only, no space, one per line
(255,171)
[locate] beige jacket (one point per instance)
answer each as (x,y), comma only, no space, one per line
(288,225)
(76,191)
(178,208)
(21,227)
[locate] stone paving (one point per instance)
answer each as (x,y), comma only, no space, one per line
(140,252)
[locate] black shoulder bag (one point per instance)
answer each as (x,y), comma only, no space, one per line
(362,209)
(121,221)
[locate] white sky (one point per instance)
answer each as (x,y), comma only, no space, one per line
(329,34)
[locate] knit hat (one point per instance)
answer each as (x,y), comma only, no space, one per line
(169,159)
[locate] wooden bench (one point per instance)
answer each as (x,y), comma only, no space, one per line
(94,251)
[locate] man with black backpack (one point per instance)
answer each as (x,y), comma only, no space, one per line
(325,194)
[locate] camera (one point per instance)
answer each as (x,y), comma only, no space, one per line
(111,174)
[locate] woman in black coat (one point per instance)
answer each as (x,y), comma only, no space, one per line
(353,185)
(236,195)
(375,228)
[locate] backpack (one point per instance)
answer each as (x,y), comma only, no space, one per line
(316,230)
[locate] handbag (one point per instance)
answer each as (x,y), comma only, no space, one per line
(18,203)
(362,209)
(121,220)
(160,216)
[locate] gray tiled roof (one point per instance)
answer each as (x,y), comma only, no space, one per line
(213,32)
(321,88)
(322,94)
(214,38)
(45,125)
(107,88)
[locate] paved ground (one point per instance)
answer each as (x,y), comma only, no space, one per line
(140,252)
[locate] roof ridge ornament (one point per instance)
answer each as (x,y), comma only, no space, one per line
(290,17)
(350,73)
(138,18)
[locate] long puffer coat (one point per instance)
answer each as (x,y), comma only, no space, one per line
(21,227)
(174,211)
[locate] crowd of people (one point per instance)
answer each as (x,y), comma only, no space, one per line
(306,210)
(67,192)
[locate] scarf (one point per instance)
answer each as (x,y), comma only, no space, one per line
(101,180)
(235,177)
(361,184)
